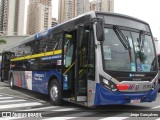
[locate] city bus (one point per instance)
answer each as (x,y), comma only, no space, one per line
(94,59)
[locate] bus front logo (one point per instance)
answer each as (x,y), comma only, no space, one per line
(136,87)
(133,87)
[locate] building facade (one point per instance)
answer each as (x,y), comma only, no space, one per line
(65,10)
(102,5)
(39,16)
(72,8)
(80,7)
(54,22)
(11,40)
(12,16)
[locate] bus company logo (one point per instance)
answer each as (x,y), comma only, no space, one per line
(41,34)
(38,76)
(133,87)
(136,75)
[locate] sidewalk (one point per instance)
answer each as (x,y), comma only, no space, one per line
(4,84)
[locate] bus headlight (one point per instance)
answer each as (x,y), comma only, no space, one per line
(155,83)
(108,84)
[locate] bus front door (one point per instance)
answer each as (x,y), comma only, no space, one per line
(5,65)
(68,64)
(75,52)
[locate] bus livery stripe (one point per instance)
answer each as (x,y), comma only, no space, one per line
(38,55)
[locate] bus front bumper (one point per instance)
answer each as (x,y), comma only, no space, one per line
(103,96)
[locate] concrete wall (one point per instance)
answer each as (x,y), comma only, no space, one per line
(11,40)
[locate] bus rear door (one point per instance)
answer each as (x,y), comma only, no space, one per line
(5,65)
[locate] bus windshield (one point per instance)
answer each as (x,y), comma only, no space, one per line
(132,53)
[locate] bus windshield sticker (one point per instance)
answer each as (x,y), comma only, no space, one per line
(68,61)
(139,68)
(146,67)
(107,52)
(59,62)
(65,82)
(133,67)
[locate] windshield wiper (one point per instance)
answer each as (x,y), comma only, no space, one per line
(121,37)
(141,39)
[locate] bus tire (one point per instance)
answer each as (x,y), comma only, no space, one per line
(11,82)
(55,93)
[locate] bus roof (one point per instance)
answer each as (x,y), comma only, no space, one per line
(74,21)
(120,15)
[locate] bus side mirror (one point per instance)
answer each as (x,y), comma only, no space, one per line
(99,31)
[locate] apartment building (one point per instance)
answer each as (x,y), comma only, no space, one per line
(72,8)
(39,16)
(12,16)
(102,5)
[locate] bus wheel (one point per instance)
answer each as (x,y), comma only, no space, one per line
(55,93)
(11,82)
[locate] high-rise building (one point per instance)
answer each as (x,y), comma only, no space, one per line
(3,16)
(12,15)
(72,8)
(39,16)
(54,22)
(65,10)
(102,5)
(81,6)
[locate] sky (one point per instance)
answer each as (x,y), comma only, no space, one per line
(146,10)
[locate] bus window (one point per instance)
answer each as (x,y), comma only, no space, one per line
(68,49)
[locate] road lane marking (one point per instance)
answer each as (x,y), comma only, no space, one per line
(157,119)
(10,118)
(8,101)
(60,118)
(155,107)
(65,109)
(3,87)
(40,108)
(114,118)
(2,98)
(29,97)
(76,115)
(19,105)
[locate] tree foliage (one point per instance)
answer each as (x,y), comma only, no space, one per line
(2,41)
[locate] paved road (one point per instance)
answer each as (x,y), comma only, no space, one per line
(24,101)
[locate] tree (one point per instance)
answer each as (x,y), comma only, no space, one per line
(2,41)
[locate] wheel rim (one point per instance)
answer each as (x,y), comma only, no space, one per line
(54,92)
(11,82)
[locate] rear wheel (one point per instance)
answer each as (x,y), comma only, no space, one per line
(55,93)
(11,82)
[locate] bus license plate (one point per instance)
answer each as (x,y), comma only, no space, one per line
(135,101)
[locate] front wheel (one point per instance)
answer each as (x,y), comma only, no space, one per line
(55,93)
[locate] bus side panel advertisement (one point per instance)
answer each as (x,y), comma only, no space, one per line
(38,81)
(28,79)
(19,79)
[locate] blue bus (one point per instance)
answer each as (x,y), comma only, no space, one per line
(95,59)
